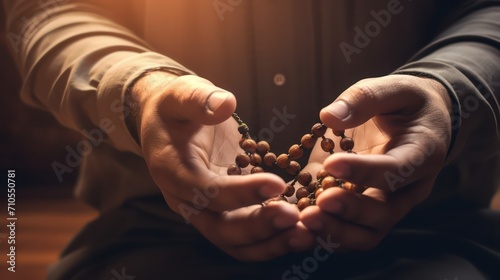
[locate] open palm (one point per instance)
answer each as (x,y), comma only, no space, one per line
(188,143)
(402,133)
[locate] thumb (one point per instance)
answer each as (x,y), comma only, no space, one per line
(191,98)
(370,97)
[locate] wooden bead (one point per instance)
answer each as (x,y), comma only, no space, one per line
(242,160)
(295,152)
(318,192)
(347,144)
(233,169)
(308,141)
(328,182)
(304,178)
(318,130)
(242,139)
(256,169)
(327,145)
(321,174)
(301,192)
(255,160)
(289,191)
(303,203)
(293,168)
(283,161)
(270,159)
(263,148)
(353,187)
(338,133)
(249,146)
(312,187)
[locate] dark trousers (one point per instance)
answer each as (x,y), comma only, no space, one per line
(146,240)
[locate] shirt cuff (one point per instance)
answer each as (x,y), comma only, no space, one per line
(111,92)
(460,90)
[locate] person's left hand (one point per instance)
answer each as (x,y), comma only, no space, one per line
(402,135)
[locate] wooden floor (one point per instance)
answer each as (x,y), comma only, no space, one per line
(48,217)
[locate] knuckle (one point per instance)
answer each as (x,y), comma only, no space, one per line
(362,90)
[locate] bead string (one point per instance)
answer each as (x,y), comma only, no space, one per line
(257,153)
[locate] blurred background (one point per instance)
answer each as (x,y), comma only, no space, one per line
(48,216)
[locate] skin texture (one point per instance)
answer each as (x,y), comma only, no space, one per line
(189,139)
(187,155)
(402,133)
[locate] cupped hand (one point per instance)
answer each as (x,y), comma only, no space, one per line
(188,140)
(401,127)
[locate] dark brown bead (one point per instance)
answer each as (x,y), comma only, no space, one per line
(293,168)
(233,169)
(242,139)
(312,187)
(256,169)
(263,148)
(242,160)
(283,161)
(327,145)
(303,203)
(295,152)
(318,192)
(249,146)
(338,133)
(270,159)
(321,174)
(308,141)
(353,187)
(318,130)
(328,182)
(301,192)
(255,159)
(347,144)
(304,178)
(289,191)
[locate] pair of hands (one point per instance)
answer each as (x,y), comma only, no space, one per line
(401,127)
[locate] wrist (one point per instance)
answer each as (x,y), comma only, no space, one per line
(440,91)
(140,91)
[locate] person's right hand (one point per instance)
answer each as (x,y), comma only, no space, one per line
(188,139)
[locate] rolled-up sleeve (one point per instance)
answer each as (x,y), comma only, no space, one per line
(465,58)
(77,63)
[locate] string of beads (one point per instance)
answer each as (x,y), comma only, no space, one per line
(257,153)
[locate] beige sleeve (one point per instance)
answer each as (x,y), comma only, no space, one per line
(77,64)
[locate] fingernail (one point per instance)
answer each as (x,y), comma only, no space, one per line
(339,109)
(216,99)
